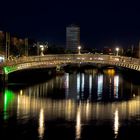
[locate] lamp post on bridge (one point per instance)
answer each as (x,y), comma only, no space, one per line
(79,49)
(42,50)
(41,47)
(117,51)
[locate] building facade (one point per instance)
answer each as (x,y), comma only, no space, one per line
(72,38)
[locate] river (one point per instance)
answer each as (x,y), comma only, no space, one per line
(88,105)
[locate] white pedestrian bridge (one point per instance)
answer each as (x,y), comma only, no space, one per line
(50,61)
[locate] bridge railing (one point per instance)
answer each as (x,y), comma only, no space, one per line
(73,58)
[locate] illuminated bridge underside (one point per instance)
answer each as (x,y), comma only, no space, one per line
(50,61)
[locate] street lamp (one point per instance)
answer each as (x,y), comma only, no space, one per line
(41,47)
(79,49)
(42,50)
(117,50)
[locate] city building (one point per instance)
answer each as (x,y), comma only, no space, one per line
(72,38)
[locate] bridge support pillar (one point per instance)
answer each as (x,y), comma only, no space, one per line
(5,78)
(58,68)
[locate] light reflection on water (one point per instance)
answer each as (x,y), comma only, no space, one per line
(116,123)
(80,98)
(41,124)
(67,108)
(78,122)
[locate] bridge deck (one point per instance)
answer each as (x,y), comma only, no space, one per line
(62,59)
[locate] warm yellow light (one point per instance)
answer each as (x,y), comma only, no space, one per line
(116,123)
(42,49)
(117,49)
(21,92)
(109,72)
(41,123)
(78,123)
(79,47)
(41,46)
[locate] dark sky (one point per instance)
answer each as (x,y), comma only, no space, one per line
(102,23)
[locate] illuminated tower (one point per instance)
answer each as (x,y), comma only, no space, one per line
(72,38)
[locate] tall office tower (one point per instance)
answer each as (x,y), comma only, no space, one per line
(72,38)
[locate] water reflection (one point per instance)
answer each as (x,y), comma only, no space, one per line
(9,97)
(78,122)
(116,86)
(116,123)
(67,108)
(81,99)
(83,83)
(78,86)
(41,124)
(100,87)
(90,86)
(67,84)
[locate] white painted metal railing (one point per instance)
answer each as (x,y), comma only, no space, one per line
(54,60)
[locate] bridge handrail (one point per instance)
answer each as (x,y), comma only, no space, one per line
(73,56)
(50,60)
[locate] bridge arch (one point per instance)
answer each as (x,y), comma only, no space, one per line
(52,61)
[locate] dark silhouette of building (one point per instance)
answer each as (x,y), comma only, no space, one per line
(72,38)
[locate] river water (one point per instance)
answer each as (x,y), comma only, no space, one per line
(89,105)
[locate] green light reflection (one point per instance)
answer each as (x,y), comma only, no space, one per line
(8,98)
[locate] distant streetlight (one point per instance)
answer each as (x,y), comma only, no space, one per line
(42,50)
(41,47)
(79,49)
(117,50)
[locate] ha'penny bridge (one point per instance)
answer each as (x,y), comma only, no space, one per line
(60,60)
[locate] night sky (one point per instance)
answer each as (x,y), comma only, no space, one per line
(102,23)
